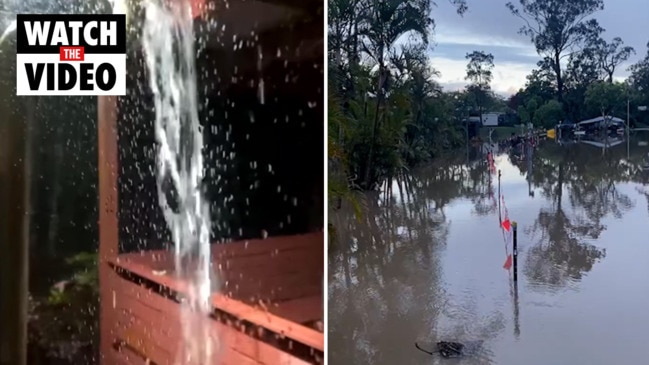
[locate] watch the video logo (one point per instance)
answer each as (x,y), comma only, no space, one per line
(64,54)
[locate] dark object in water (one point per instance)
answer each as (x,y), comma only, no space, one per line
(446,349)
(450,349)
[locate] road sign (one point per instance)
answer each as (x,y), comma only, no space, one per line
(642,108)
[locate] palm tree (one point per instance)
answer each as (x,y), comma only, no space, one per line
(385,21)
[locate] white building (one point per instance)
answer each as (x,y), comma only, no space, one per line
(491,119)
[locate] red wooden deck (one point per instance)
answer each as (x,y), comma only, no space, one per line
(145,318)
(269,309)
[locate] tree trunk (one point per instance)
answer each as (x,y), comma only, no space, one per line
(375,127)
(559,191)
(557,70)
(14,235)
(481,98)
(53,225)
(354,38)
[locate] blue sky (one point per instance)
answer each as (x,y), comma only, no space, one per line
(490,27)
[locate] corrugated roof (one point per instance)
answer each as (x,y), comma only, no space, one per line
(601,119)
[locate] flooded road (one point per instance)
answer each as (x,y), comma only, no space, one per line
(424,262)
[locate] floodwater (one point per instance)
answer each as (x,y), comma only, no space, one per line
(424,261)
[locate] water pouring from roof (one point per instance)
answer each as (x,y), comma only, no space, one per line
(168,42)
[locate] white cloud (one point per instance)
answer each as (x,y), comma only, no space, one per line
(460,36)
(507,77)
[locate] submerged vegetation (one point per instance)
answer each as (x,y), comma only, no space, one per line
(388,113)
(402,246)
(392,114)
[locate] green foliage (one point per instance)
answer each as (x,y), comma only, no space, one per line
(479,69)
(386,112)
(386,21)
(639,81)
(548,115)
(558,28)
(479,73)
(606,98)
(65,323)
(588,67)
(526,112)
(610,55)
(85,266)
(391,115)
(339,186)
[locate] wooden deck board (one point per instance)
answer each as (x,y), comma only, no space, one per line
(123,356)
(271,270)
(301,310)
(294,331)
(287,272)
(139,326)
(128,303)
(143,324)
(281,326)
(263,246)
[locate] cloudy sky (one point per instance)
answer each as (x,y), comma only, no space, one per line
(490,27)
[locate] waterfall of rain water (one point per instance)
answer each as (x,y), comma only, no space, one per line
(168,42)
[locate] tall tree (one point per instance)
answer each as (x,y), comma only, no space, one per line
(639,82)
(389,110)
(640,74)
(385,22)
(610,55)
(548,115)
(558,28)
(479,72)
(607,98)
(583,69)
(344,21)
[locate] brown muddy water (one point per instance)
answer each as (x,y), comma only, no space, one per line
(425,261)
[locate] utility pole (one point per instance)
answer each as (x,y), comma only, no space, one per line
(515,249)
(467,141)
(628,125)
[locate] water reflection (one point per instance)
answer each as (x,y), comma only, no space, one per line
(390,259)
(424,261)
